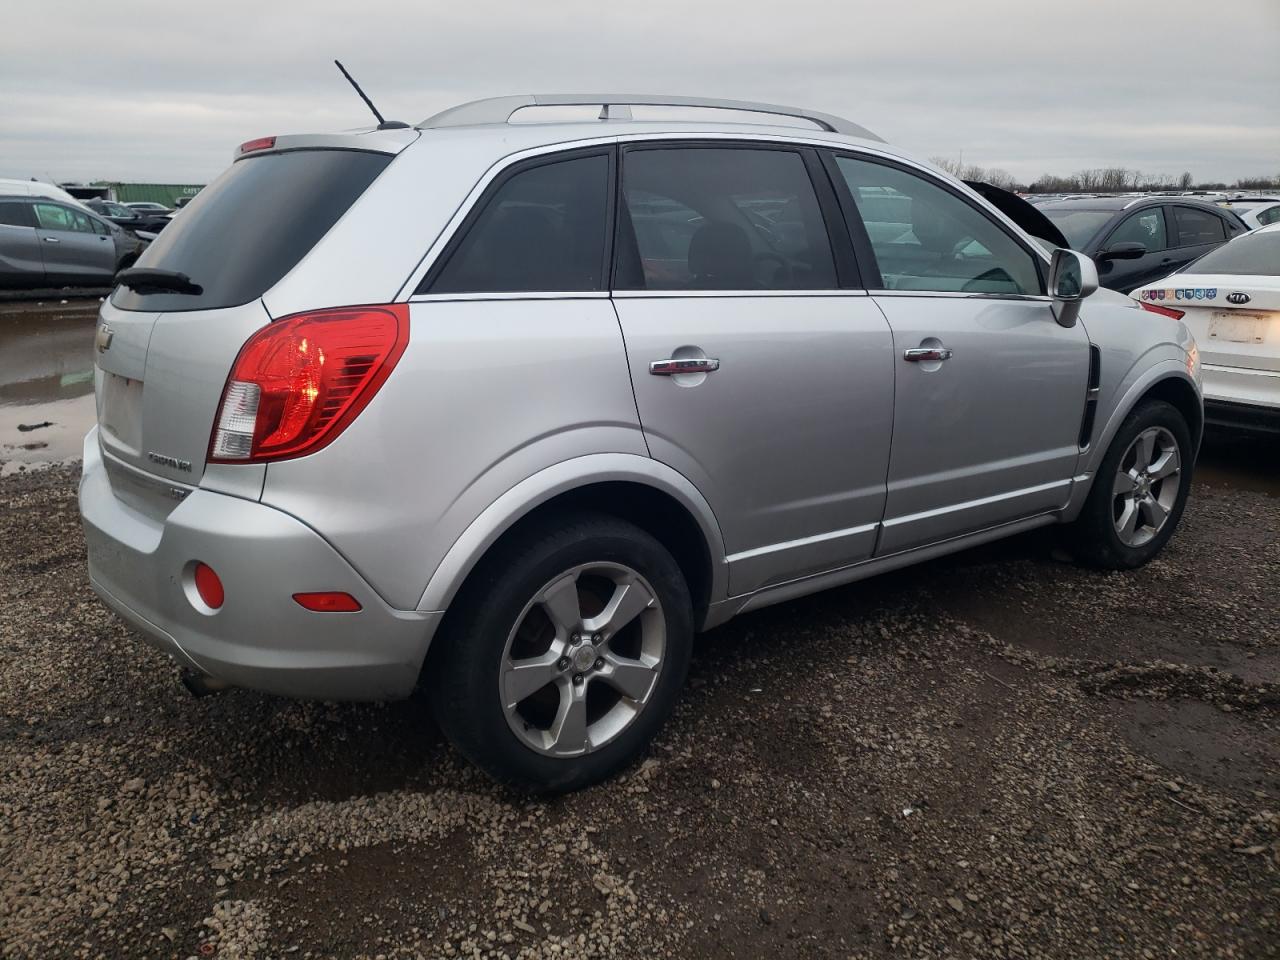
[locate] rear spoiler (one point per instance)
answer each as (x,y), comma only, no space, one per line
(1020,212)
(373,140)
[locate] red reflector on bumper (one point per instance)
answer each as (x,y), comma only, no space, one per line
(209,586)
(329,602)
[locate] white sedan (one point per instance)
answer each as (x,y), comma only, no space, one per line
(1230,299)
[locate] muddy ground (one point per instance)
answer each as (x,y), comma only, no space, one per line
(998,754)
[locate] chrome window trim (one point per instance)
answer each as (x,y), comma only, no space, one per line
(511,295)
(963,295)
(670,294)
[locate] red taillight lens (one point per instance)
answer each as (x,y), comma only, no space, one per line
(261,143)
(329,602)
(300,381)
(209,586)
(1163,311)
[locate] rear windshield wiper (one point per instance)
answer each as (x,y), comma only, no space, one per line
(148,280)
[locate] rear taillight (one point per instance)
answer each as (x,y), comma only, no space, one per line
(1163,311)
(301,380)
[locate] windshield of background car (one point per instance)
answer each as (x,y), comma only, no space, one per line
(248,228)
(1250,255)
(1078,226)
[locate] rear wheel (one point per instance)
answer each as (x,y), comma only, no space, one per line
(1140,491)
(564,654)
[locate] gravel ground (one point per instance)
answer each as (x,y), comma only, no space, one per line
(994,755)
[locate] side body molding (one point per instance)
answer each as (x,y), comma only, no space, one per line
(560,478)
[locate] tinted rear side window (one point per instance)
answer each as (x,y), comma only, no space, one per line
(542,229)
(248,228)
(710,218)
(16,215)
(1198,226)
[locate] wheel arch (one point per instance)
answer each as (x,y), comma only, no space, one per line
(642,491)
(1167,380)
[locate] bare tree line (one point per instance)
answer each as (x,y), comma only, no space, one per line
(1097,180)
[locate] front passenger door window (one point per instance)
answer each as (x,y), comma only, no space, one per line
(1145,227)
(929,239)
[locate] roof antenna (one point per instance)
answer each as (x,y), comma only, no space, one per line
(382,124)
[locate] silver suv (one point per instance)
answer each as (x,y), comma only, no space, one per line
(512,409)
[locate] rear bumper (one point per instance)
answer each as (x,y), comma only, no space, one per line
(1242,398)
(1242,416)
(260,638)
(1241,385)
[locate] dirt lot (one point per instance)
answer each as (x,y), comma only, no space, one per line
(995,755)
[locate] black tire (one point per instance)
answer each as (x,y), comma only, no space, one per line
(1093,535)
(464,669)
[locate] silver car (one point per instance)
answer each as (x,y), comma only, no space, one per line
(512,409)
(45,242)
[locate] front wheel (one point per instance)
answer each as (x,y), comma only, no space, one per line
(564,654)
(1139,492)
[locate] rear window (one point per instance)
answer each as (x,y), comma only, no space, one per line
(1250,255)
(248,228)
(1078,226)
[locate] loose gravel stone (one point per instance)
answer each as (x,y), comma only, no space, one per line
(1074,786)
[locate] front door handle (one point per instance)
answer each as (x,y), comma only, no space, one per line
(926,354)
(52,240)
(671,366)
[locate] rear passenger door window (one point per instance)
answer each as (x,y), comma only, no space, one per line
(927,238)
(543,228)
(1145,227)
(1198,226)
(721,218)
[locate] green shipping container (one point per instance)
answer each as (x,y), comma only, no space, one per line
(166,193)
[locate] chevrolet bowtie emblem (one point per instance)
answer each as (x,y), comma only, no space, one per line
(103,339)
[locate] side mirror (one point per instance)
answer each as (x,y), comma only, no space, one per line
(1072,277)
(1129,250)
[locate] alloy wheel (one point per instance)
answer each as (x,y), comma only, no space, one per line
(1145,487)
(583,659)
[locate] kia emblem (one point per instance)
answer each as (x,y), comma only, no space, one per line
(1238,298)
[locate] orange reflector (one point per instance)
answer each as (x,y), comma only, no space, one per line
(328,602)
(209,586)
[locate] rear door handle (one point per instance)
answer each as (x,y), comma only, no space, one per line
(52,240)
(926,354)
(671,366)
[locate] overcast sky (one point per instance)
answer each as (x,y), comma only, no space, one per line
(162,91)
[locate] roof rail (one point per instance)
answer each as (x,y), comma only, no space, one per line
(501,109)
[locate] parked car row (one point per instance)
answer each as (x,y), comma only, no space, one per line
(131,217)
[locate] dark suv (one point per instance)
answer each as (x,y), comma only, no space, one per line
(1137,240)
